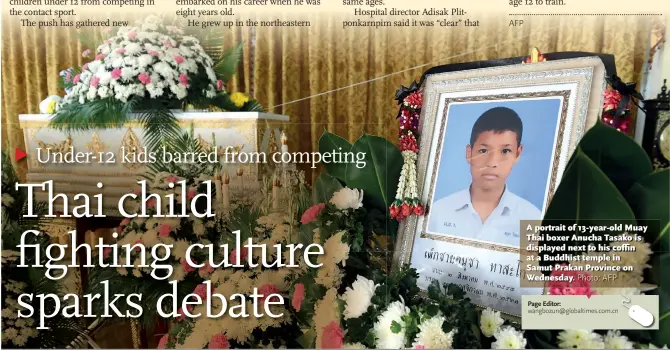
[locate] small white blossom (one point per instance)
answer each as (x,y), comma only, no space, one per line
(490,322)
(509,338)
(384,335)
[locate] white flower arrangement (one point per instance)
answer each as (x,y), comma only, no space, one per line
(385,337)
(358,298)
(150,60)
(347,198)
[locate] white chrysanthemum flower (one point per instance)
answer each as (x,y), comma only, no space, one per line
(614,340)
(509,338)
(347,198)
(336,250)
(580,339)
(431,335)
(354,346)
(490,322)
(358,297)
(652,346)
(384,335)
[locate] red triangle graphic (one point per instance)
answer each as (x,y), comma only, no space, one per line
(19,154)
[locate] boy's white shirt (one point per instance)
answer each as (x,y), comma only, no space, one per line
(454,215)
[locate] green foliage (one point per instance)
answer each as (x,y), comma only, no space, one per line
(609,177)
(226,66)
(378,178)
(324,187)
(329,143)
(32,279)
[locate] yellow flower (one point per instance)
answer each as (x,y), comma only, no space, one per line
(239,99)
(51,108)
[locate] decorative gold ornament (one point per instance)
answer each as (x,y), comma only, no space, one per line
(130,145)
(272,143)
(203,143)
(63,146)
(535,56)
(96,145)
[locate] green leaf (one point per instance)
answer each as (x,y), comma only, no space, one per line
(617,155)
(329,143)
(227,66)
(660,262)
(396,327)
(586,196)
(307,339)
(650,201)
(324,187)
(379,177)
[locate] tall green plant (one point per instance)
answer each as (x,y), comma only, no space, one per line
(610,177)
(377,175)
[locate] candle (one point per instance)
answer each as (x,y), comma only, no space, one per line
(284,145)
(225,195)
(275,193)
(217,185)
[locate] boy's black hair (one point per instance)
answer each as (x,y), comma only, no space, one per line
(498,120)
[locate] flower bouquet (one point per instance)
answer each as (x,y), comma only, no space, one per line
(22,332)
(149,69)
(141,234)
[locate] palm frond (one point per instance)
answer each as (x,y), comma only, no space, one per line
(226,66)
(97,114)
(160,125)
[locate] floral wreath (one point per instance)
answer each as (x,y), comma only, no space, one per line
(407,200)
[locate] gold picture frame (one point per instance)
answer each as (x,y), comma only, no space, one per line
(579,83)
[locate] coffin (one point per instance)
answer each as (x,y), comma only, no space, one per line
(246,132)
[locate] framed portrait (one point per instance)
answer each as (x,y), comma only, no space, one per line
(494,144)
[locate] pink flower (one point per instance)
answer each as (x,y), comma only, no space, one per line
(151,203)
(164,230)
(172,179)
(138,248)
(580,285)
(100,57)
(333,337)
(145,78)
(243,256)
(106,251)
(121,50)
(132,35)
(298,296)
(107,30)
(171,28)
(311,213)
(267,289)
(68,77)
(94,82)
(219,341)
(179,59)
(219,84)
(183,78)
(419,347)
(153,52)
(167,43)
(84,67)
(116,74)
(207,269)
(107,41)
(76,79)
(180,313)
(201,291)
(187,267)
(163,342)
(86,53)
(125,222)
(191,192)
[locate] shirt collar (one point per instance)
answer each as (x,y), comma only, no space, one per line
(463,200)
